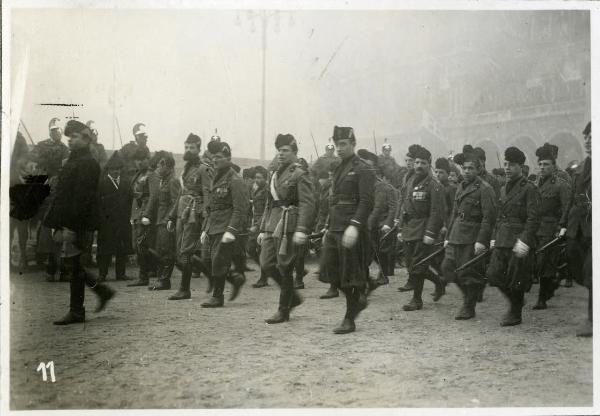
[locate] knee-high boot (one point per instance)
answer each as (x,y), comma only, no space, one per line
(184,287)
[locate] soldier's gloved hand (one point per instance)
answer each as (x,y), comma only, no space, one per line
(259,238)
(203,237)
(253,229)
(479,248)
(170,226)
(428,240)
(445,243)
(520,249)
(396,222)
(227,237)
(562,232)
(385,229)
(492,244)
(299,238)
(145,221)
(399,238)
(350,236)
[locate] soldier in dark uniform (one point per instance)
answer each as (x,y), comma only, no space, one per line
(129,151)
(423,210)
(227,209)
(410,161)
(240,256)
(323,213)
(288,218)
(579,228)
(514,236)
(114,229)
(483,173)
(97,149)
(259,200)
(469,232)
(73,213)
(189,212)
(302,250)
(381,221)
(555,195)
(143,184)
(158,211)
(346,242)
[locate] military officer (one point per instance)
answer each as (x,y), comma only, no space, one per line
(259,200)
(129,150)
(227,209)
(469,232)
(579,228)
(143,184)
(288,218)
(514,236)
(555,194)
(423,210)
(346,241)
(189,211)
(159,207)
(381,220)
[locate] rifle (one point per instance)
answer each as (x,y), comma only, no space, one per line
(432,255)
(474,260)
(314,144)
(314,236)
(388,233)
(550,244)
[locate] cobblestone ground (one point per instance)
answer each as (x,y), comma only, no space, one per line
(147,352)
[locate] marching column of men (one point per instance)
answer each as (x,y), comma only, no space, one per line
(465,226)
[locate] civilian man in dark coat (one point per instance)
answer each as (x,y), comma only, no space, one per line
(346,241)
(73,213)
(579,228)
(114,229)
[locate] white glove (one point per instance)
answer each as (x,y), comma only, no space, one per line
(399,238)
(520,249)
(170,226)
(562,232)
(386,228)
(479,248)
(428,240)
(203,237)
(350,236)
(299,238)
(259,238)
(445,243)
(145,221)
(492,244)
(253,229)
(227,237)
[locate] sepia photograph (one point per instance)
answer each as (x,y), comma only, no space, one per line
(261,206)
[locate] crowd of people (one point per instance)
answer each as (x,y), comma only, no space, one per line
(446,221)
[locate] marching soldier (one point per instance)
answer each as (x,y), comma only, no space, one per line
(555,194)
(227,210)
(514,236)
(189,211)
(325,186)
(286,223)
(72,214)
(579,228)
(132,148)
(381,220)
(469,233)
(423,210)
(159,208)
(346,241)
(259,200)
(483,173)
(143,185)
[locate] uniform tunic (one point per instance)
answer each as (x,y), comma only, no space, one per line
(350,203)
(143,185)
(384,212)
(518,218)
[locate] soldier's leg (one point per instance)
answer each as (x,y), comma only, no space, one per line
(299,266)
(232,252)
(283,275)
(165,248)
(408,247)
(519,281)
(121,266)
(143,278)
(470,281)
(416,252)
(103,261)
(219,269)
(497,274)
(586,328)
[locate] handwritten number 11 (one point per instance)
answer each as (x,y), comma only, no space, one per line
(43,366)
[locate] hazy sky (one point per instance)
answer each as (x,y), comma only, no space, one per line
(187,71)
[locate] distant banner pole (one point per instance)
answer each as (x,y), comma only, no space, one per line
(314,144)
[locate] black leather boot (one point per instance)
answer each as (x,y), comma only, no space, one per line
(347,325)
(217,299)
(237,280)
(141,281)
(72,317)
(541,302)
(467,311)
(282,315)
(513,317)
(105,293)
(332,292)
(184,288)
(164,283)
(262,280)
(586,329)
(416,303)
(409,286)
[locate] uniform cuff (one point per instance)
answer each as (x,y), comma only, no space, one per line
(232,230)
(430,233)
(355,222)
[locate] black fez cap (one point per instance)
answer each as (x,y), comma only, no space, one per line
(366,155)
(215,147)
(467,148)
(286,140)
(412,149)
(261,170)
(114,162)
(461,158)
(498,171)
(422,153)
(442,163)
(553,147)
(163,155)
(546,152)
(514,155)
(343,133)
(588,128)
(192,138)
(74,126)
(480,153)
